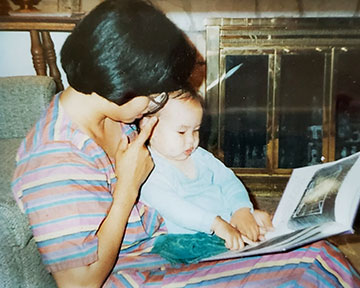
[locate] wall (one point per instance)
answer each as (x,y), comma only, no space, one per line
(15,57)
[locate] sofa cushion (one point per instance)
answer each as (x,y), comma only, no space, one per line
(20,261)
(23,99)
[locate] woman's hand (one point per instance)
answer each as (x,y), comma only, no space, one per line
(245,222)
(133,162)
(231,235)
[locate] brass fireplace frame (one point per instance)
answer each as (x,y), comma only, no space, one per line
(273,37)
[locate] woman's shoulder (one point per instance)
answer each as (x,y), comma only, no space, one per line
(55,133)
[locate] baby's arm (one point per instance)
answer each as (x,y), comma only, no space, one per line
(264,221)
(159,192)
(233,190)
(236,197)
(231,235)
(253,225)
(245,222)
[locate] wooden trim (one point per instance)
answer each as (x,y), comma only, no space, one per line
(264,184)
(24,23)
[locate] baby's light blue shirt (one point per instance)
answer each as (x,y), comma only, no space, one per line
(191,205)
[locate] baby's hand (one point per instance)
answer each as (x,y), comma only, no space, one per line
(263,219)
(231,235)
(245,222)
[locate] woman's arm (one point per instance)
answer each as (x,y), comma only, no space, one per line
(109,235)
(133,165)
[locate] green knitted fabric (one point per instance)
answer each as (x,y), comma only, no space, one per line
(188,248)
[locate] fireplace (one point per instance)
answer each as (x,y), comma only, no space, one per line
(281,93)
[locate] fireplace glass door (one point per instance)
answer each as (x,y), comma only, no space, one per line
(244,139)
(282,95)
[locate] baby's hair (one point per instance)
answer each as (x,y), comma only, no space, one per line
(188,95)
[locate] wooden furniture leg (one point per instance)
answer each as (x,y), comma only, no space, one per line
(37,53)
(50,56)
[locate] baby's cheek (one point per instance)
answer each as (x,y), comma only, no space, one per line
(161,142)
(197,140)
(154,141)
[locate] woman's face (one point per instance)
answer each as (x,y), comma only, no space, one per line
(176,135)
(132,110)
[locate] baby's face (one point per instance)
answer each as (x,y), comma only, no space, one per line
(176,135)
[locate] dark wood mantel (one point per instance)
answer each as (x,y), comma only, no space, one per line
(42,46)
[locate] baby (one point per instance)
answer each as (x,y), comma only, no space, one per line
(192,190)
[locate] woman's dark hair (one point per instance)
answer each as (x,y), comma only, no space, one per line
(127,48)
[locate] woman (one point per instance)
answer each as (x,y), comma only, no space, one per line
(80,168)
(86,161)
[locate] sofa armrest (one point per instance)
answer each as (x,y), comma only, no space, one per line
(23,98)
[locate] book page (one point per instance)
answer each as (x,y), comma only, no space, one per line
(312,194)
(285,242)
(292,195)
(306,211)
(347,201)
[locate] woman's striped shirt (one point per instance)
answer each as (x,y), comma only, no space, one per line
(64,182)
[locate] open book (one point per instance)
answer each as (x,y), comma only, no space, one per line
(319,201)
